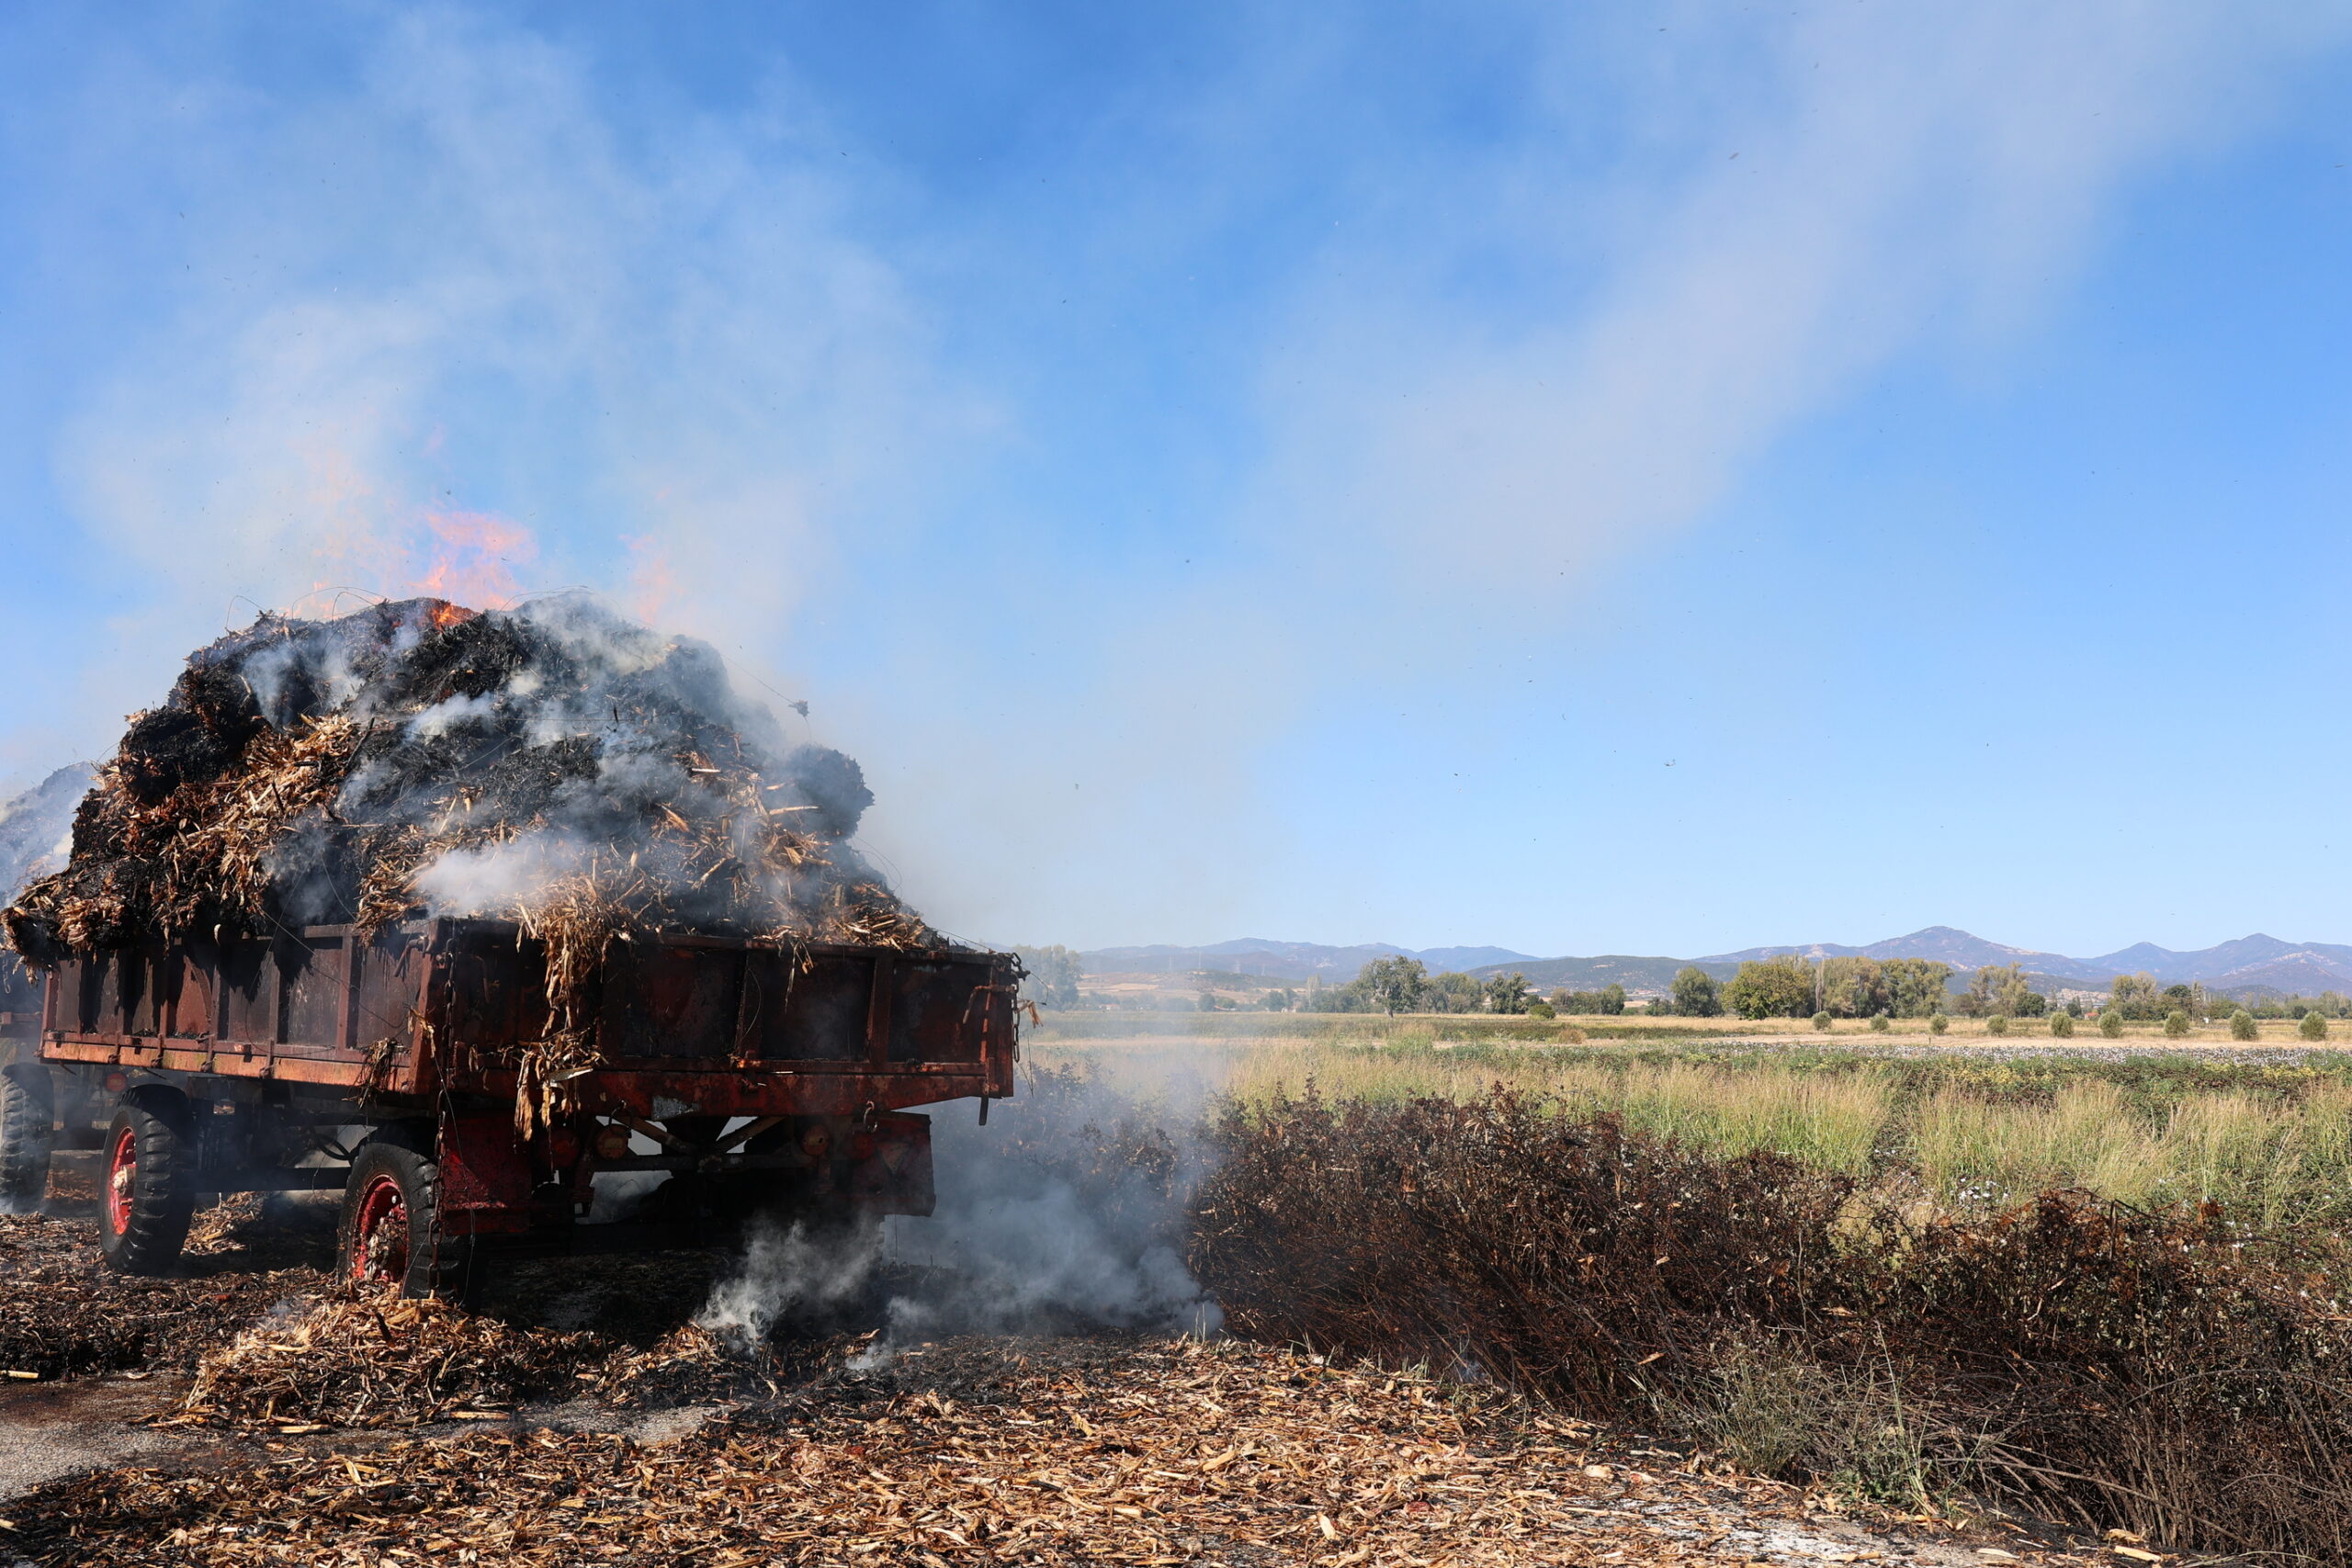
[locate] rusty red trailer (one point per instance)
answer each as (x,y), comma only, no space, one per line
(417,1067)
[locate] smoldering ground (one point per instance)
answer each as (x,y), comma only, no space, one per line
(1065,1213)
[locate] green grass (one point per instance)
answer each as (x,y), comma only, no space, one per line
(2270,1142)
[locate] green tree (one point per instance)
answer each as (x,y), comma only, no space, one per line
(2061,1025)
(1821,1022)
(1999,1023)
(1696,995)
(2000,989)
(2315,1025)
(2135,997)
(1541,1009)
(1394,985)
(2176,1024)
(1050,977)
(1881,1023)
(1509,993)
(1771,988)
(1914,988)
(1938,1023)
(1852,986)
(2242,1026)
(2110,1023)
(1609,1000)
(1455,992)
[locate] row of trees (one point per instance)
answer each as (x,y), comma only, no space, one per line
(1608,1000)
(1404,985)
(1786,986)
(1790,986)
(1051,976)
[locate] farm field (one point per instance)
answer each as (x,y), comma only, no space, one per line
(251,1414)
(2263,1127)
(1707,1296)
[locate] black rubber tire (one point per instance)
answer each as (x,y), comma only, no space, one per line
(143,1232)
(436,1265)
(28,1122)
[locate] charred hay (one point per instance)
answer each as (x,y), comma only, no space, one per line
(378,1360)
(556,765)
(63,1314)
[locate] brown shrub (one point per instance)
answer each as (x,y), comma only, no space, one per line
(2164,1374)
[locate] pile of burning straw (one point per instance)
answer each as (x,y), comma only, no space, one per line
(555,764)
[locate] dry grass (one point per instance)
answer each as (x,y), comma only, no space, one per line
(2271,1149)
(2270,1163)
(2163,1372)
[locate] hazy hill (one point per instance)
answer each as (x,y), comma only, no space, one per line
(1291,960)
(2251,966)
(1636,975)
(2300,972)
(1942,943)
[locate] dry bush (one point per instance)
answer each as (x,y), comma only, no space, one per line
(2165,1372)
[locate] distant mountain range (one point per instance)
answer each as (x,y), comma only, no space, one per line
(1286,960)
(2250,967)
(2251,964)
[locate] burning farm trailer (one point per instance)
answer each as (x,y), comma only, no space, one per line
(239,1068)
(457,912)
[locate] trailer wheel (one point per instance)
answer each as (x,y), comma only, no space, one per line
(28,1111)
(144,1196)
(391,1232)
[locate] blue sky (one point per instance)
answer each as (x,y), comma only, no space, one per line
(1654,477)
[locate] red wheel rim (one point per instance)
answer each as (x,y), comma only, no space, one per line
(380,1233)
(122,1180)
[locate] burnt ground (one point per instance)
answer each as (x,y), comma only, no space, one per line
(638,1442)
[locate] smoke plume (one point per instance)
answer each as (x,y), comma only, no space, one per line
(1065,1213)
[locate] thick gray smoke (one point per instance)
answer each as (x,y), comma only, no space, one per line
(1066,1213)
(37,827)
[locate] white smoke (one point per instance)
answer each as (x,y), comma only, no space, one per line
(1065,1214)
(495,879)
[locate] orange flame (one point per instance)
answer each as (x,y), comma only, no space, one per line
(473,556)
(651,587)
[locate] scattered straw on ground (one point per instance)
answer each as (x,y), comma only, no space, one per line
(1047,1453)
(63,1314)
(378,1360)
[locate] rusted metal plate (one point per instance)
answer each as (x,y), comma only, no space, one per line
(732,1028)
(485,1175)
(194,984)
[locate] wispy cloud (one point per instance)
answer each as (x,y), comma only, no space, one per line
(458,284)
(682,352)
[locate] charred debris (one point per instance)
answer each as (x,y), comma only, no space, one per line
(557,765)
